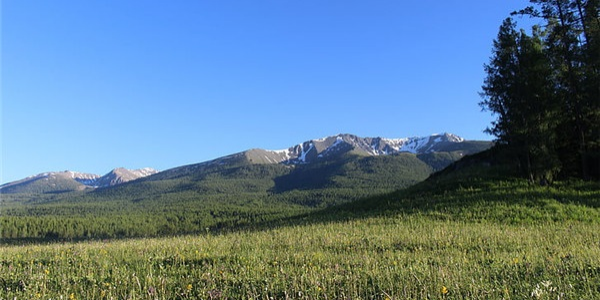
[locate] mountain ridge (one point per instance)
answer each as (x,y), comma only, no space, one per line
(73,181)
(312,151)
(371,146)
(334,146)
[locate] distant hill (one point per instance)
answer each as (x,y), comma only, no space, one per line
(50,182)
(69,181)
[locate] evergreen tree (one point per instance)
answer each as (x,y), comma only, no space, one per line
(518,90)
(574,50)
(545,89)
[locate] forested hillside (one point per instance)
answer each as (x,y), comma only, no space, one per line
(207,197)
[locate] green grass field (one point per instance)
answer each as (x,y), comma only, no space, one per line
(374,258)
(476,239)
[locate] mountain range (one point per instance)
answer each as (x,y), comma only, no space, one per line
(65,181)
(334,146)
(310,162)
(248,187)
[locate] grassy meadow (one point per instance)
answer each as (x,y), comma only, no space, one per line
(374,258)
(503,240)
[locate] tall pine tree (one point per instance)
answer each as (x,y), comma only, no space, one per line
(545,89)
(519,91)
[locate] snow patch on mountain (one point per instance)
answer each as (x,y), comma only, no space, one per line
(338,144)
(302,157)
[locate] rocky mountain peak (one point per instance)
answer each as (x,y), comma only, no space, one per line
(122,175)
(339,144)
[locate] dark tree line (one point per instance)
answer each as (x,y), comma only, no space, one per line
(543,86)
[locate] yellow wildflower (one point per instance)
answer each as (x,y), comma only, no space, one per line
(444,290)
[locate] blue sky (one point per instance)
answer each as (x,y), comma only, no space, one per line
(94,85)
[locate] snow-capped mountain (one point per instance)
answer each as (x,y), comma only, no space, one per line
(73,181)
(122,175)
(331,146)
(52,177)
(312,151)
